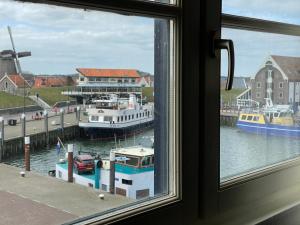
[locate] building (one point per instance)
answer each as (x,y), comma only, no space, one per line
(14,84)
(146,81)
(113,76)
(93,82)
(278,79)
(53,81)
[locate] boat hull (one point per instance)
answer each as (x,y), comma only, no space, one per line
(110,133)
(269,129)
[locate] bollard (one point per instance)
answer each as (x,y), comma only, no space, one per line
(62,119)
(97,173)
(112,172)
(46,128)
(27,153)
(70,162)
(23,123)
(78,113)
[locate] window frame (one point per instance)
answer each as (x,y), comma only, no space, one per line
(229,202)
(178,208)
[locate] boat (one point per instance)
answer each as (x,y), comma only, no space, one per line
(110,116)
(277,120)
(129,171)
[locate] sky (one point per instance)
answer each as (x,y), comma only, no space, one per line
(62,39)
(253,48)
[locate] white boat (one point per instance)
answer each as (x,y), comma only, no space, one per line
(112,116)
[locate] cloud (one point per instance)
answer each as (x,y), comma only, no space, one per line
(252,48)
(277,10)
(62,39)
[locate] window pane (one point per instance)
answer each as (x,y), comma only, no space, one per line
(260,123)
(275,10)
(85,81)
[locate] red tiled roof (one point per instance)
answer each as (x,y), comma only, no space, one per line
(18,80)
(108,72)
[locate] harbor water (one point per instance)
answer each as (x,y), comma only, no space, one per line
(240,152)
(45,160)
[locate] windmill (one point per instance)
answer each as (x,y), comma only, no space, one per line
(9,59)
(15,56)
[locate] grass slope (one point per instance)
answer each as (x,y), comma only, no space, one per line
(10,101)
(51,95)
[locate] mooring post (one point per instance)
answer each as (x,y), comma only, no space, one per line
(62,118)
(97,173)
(78,113)
(23,123)
(70,162)
(27,153)
(1,137)
(46,128)
(112,159)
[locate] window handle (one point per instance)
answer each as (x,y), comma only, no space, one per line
(219,44)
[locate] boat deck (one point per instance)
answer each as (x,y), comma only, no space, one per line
(37,199)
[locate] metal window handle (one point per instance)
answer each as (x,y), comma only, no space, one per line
(228,45)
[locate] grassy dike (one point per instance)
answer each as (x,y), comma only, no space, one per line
(10,101)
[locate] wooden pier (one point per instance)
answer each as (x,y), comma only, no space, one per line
(228,117)
(41,134)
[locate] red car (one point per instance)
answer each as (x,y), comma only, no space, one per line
(84,163)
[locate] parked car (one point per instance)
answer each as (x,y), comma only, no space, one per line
(84,163)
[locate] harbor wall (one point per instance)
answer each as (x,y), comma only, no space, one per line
(38,141)
(228,120)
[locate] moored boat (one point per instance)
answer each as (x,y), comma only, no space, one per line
(271,120)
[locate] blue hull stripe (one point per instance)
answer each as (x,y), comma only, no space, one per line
(269,129)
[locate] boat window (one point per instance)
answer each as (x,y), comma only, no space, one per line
(121,118)
(276,114)
(118,118)
(137,115)
(94,118)
(132,161)
(249,118)
(125,118)
(107,118)
(128,182)
(244,117)
(146,161)
(255,118)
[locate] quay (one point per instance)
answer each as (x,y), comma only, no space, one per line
(228,117)
(36,199)
(42,133)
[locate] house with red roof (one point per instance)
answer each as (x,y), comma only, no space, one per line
(120,76)
(53,81)
(14,84)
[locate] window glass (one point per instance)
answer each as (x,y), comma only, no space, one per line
(255,143)
(57,47)
(275,10)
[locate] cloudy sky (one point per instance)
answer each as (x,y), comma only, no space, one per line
(62,39)
(252,48)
